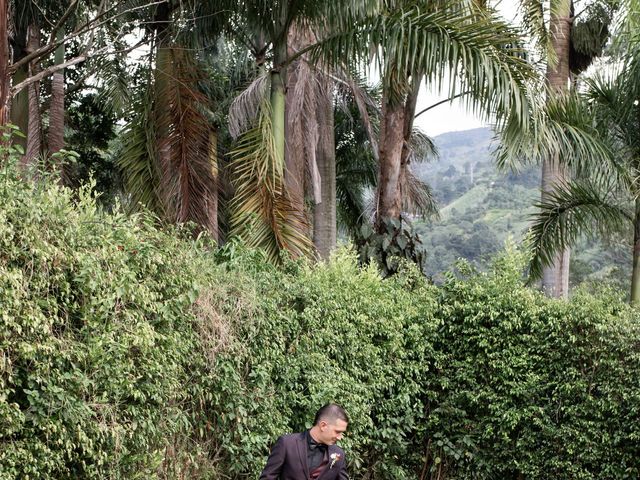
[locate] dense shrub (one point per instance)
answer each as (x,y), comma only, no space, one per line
(127,351)
(535,387)
(95,341)
(330,333)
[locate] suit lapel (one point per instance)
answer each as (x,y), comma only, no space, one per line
(302,452)
(330,450)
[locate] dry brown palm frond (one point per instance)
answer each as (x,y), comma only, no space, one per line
(309,86)
(186,146)
(356,88)
(303,133)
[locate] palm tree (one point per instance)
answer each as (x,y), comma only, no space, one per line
(416,41)
(607,200)
(461,39)
(555,277)
(413,41)
(568,44)
(169,156)
(32,21)
(295,137)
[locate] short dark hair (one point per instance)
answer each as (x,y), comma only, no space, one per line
(330,412)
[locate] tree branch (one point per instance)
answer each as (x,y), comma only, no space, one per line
(46,72)
(63,19)
(92,24)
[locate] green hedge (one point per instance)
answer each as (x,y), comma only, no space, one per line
(128,351)
(95,345)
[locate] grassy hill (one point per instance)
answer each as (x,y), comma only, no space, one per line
(481,207)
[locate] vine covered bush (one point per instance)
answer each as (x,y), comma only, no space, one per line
(130,351)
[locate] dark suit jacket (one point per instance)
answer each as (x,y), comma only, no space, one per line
(288,461)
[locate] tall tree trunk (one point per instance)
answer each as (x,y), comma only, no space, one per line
(34,132)
(324,214)
(390,159)
(160,84)
(294,175)
(56,111)
(409,116)
(555,278)
(4,62)
(19,113)
(635,275)
(186,144)
(20,106)
(277,99)
(212,227)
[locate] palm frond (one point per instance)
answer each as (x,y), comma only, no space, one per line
(245,108)
(615,115)
(262,214)
(367,100)
(137,160)
(418,197)
(480,50)
(570,210)
(564,127)
(188,175)
(307,89)
(590,31)
(422,146)
(533,20)
(114,83)
(356,150)
(356,174)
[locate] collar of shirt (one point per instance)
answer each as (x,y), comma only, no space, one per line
(313,444)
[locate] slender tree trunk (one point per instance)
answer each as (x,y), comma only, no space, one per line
(19,112)
(324,215)
(34,132)
(294,175)
(278,96)
(390,159)
(409,115)
(161,105)
(555,278)
(213,198)
(635,275)
(4,62)
(56,112)
(20,106)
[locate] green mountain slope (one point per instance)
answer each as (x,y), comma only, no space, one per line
(480,208)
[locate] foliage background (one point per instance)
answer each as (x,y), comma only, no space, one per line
(131,352)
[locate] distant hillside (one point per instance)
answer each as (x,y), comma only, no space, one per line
(481,207)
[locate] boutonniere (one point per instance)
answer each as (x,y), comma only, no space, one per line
(334,458)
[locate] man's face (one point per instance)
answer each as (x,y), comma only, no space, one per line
(332,431)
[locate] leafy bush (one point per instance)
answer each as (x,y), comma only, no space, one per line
(333,332)
(388,246)
(131,352)
(96,339)
(535,387)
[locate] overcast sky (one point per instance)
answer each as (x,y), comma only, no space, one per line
(447,117)
(450,117)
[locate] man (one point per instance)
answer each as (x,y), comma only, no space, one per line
(311,455)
